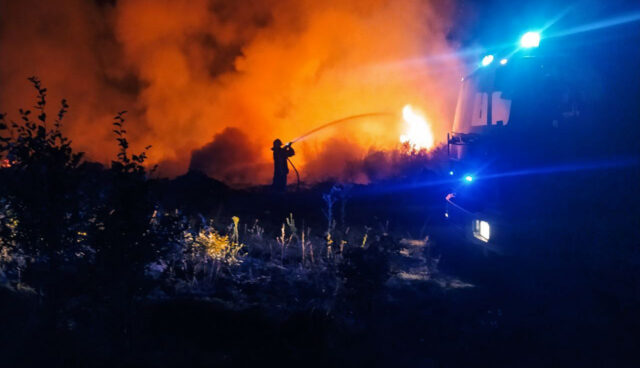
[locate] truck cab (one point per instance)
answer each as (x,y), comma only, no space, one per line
(518,112)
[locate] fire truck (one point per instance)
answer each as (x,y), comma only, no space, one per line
(521,118)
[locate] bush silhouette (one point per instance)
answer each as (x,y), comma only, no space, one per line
(80,229)
(41,183)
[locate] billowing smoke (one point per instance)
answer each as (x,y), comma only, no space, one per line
(230,157)
(223,78)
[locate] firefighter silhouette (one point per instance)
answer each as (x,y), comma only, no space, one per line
(280,168)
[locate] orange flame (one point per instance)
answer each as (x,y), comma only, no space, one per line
(419,134)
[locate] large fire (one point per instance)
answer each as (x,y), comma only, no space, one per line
(418,135)
(223,79)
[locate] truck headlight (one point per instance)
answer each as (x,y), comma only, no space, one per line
(481,230)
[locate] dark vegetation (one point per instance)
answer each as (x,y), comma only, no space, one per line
(107,267)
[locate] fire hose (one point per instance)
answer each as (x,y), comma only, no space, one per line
(297,173)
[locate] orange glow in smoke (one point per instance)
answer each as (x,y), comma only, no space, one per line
(225,78)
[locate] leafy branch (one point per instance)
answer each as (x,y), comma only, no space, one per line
(127,163)
(29,141)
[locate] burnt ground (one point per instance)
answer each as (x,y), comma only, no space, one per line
(568,297)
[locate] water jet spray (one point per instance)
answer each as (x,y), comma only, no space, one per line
(324,126)
(334,122)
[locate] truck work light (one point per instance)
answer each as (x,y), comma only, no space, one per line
(487,60)
(530,39)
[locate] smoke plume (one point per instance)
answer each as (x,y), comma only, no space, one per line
(222,79)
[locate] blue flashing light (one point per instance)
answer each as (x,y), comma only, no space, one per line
(504,61)
(468,178)
(487,60)
(530,39)
(451,172)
